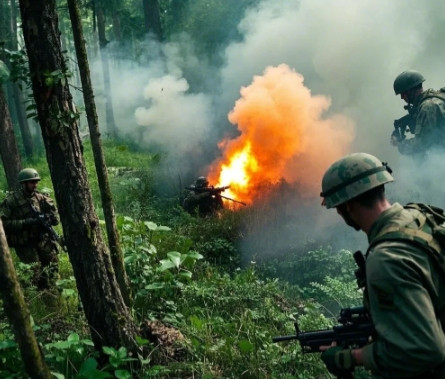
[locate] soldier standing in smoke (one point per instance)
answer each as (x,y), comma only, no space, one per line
(28,216)
(203,200)
(425,118)
(402,277)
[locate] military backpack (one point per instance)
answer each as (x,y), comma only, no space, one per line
(429,232)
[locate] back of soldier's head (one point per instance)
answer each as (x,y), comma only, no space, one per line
(407,80)
(201,182)
(352,176)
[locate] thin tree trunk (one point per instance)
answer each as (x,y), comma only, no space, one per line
(109,319)
(18,315)
(8,146)
(109,112)
(28,145)
(16,92)
(99,158)
(117,27)
(152,18)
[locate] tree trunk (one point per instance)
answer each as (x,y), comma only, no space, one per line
(117,26)
(109,319)
(152,18)
(109,112)
(8,147)
(99,159)
(16,92)
(18,315)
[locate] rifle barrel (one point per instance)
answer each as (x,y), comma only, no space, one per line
(236,201)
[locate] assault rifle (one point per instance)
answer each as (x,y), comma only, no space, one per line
(45,224)
(354,330)
(214,191)
(404,124)
(210,189)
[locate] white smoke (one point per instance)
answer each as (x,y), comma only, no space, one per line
(347,50)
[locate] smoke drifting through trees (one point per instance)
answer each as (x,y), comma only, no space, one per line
(347,51)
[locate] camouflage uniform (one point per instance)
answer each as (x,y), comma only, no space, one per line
(406,296)
(405,290)
(204,203)
(429,123)
(202,200)
(31,242)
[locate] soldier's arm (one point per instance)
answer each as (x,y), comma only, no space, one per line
(13,224)
(410,340)
(429,122)
(48,208)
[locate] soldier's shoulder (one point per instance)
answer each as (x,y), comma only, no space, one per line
(12,196)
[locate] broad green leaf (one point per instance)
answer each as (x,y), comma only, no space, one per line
(245,346)
(73,337)
(122,374)
(109,351)
(114,361)
(186,274)
(166,264)
(155,286)
(150,225)
(122,352)
(175,257)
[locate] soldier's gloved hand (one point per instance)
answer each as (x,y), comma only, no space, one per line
(339,361)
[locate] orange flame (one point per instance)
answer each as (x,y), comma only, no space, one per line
(283,137)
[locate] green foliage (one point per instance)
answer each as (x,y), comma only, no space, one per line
(230,322)
(218,18)
(156,276)
(304,267)
(188,274)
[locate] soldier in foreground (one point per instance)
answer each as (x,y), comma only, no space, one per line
(27,217)
(405,286)
(203,199)
(426,115)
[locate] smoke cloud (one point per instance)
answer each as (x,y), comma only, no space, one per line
(348,53)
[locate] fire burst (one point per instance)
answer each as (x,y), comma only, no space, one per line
(282,137)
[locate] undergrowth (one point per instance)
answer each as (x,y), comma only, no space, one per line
(187,273)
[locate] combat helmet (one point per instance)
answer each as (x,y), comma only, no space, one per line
(28,174)
(201,182)
(407,80)
(351,176)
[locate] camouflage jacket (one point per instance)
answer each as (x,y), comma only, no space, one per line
(204,203)
(429,123)
(17,208)
(406,294)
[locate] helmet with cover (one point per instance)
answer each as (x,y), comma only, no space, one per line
(201,182)
(28,174)
(351,176)
(407,80)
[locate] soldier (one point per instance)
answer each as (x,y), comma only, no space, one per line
(24,214)
(427,111)
(405,289)
(202,199)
